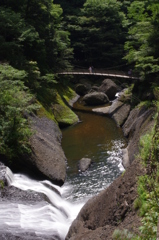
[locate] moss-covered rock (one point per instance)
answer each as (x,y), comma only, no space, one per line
(43,112)
(64,115)
(55,105)
(61,109)
(125,98)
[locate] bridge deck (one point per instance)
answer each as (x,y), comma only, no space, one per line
(99,74)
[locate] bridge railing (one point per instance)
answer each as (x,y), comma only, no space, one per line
(99,72)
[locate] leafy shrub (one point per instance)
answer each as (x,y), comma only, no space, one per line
(145,146)
(15,103)
(122,235)
(148,187)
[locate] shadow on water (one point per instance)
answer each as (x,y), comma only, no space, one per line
(96,137)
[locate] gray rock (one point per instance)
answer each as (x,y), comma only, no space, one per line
(26,236)
(109,88)
(84,164)
(95,98)
(101,110)
(125,160)
(73,100)
(119,111)
(140,121)
(94,89)
(47,154)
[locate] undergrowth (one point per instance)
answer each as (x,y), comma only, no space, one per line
(148,185)
(123,235)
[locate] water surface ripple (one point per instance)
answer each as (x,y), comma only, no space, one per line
(96,137)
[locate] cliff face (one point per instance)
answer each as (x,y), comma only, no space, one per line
(113,208)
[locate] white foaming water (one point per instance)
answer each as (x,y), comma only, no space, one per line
(100,174)
(43,219)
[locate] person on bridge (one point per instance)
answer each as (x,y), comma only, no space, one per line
(90,69)
(130,72)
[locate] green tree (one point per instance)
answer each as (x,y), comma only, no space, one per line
(33,31)
(70,7)
(52,51)
(11,26)
(142,42)
(15,103)
(98,33)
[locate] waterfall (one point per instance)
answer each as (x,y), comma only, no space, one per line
(51,218)
(9,176)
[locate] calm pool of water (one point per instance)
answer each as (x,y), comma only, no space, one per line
(96,137)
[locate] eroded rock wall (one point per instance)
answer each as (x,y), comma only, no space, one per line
(139,121)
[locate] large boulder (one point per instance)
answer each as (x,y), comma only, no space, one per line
(109,88)
(82,88)
(84,164)
(118,110)
(94,89)
(47,154)
(139,121)
(95,98)
(64,115)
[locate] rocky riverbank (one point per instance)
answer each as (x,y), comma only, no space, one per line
(111,209)
(114,208)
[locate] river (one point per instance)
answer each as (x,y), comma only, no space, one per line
(96,137)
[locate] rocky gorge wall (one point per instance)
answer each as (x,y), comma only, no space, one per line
(113,208)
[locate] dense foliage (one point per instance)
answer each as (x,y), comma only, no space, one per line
(32,31)
(15,103)
(101,33)
(98,32)
(142,43)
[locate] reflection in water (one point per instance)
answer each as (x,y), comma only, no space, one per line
(96,137)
